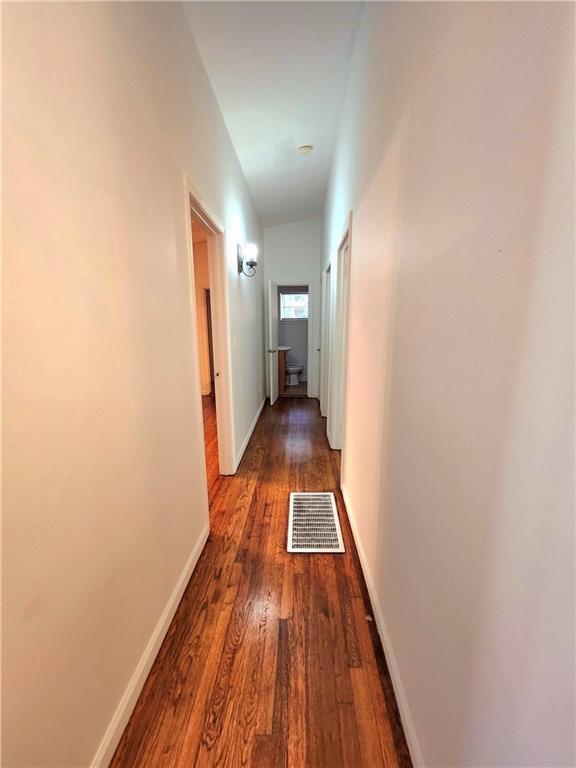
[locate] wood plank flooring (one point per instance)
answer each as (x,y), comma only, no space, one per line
(210,441)
(270,660)
(296,390)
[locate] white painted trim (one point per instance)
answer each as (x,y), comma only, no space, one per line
(201,210)
(324,340)
(273,321)
(401,698)
(248,435)
(220,320)
(314,324)
(340,301)
(222,353)
(119,720)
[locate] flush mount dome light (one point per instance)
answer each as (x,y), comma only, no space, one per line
(247,258)
(305,149)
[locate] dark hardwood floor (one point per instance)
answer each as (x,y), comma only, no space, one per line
(296,390)
(210,441)
(271,659)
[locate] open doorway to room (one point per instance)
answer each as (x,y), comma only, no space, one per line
(293,314)
(200,237)
(208,303)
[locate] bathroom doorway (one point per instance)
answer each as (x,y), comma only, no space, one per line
(293,318)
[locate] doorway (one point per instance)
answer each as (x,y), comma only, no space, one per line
(289,339)
(208,298)
(293,308)
(337,292)
(200,237)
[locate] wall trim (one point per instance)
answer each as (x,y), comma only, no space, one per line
(194,208)
(119,720)
(248,435)
(401,698)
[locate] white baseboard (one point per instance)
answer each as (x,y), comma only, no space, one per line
(248,436)
(403,707)
(116,727)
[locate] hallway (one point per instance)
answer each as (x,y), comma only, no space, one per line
(377,199)
(270,660)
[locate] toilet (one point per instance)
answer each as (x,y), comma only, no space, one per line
(293,371)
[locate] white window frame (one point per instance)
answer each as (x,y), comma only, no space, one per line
(295,319)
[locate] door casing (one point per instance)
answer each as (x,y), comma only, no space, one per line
(273,287)
(272,349)
(338,334)
(216,247)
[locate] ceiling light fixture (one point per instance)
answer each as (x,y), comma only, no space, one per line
(305,149)
(247,257)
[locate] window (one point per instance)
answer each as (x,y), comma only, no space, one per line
(293,306)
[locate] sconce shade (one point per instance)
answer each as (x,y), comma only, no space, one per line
(251,254)
(247,259)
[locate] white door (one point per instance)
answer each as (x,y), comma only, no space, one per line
(272,351)
(337,379)
(325,341)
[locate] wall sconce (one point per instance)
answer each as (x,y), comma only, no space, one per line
(247,258)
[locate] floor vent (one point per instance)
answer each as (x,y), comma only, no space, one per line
(313,525)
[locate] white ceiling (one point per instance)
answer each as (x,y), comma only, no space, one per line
(279,72)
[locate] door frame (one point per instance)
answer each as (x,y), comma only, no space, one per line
(325,339)
(216,247)
(208,308)
(338,363)
(311,305)
(270,350)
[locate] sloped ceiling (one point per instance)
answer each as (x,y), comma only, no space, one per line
(279,71)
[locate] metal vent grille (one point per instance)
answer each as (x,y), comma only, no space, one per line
(313,524)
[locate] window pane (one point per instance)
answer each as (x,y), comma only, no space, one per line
(293,306)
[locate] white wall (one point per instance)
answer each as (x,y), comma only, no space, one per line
(292,254)
(105,106)
(455,154)
(202,283)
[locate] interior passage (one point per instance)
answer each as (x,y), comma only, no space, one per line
(272,659)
